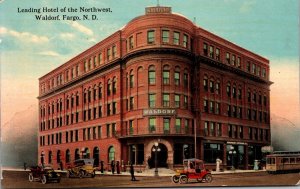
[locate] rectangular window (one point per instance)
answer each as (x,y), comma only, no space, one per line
(176,38)
(254,68)
(76,136)
(233,60)
(239,62)
(84,134)
(108,89)
(94,133)
(219,129)
(205,50)
(264,73)
(151,77)
(100,92)
(131,103)
(95,61)
(217,108)
(165,36)
(185,102)
(177,125)
(131,42)
(114,51)
(131,127)
(166,125)
(185,80)
(113,129)
(108,130)
(152,125)
(205,105)
(108,109)
(177,78)
(185,41)
(152,98)
(250,133)
(89,134)
(99,111)
(150,37)
(99,132)
(166,100)
(241,132)
(205,128)
(186,126)
(228,58)
(100,58)
(211,107)
(217,54)
(211,86)
(114,110)
(166,77)
(248,66)
(212,129)
(131,80)
(108,54)
(211,51)
(177,100)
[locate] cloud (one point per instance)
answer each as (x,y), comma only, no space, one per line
(49,53)
(81,28)
(247,6)
(67,36)
(24,36)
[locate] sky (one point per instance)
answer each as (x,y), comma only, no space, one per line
(30,48)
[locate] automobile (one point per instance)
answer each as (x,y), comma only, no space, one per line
(192,169)
(81,168)
(43,174)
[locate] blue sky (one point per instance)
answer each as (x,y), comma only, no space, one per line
(31,48)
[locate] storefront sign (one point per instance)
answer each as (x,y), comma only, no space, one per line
(152,112)
(239,143)
(265,149)
(155,10)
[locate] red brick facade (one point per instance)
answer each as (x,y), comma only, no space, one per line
(159,79)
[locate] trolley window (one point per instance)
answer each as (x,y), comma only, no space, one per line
(285,160)
(270,160)
(293,160)
(298,160)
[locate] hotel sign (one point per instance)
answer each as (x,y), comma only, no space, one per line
(159,112)
(158,10)
(238,143)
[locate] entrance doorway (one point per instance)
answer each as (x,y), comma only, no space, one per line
(162,156)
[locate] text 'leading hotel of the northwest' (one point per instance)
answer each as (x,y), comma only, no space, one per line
(159,79)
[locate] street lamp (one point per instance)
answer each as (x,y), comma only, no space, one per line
(232,152)
(155,150)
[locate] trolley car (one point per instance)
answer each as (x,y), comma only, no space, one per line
(283,162)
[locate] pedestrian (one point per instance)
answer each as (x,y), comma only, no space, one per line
(132,172)
(101,167)
(112,167)
(25,166)
(118,167)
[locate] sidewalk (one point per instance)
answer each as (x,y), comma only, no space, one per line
(149,172)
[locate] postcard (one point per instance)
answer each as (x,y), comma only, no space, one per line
(146,93)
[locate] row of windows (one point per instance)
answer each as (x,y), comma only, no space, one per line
(166,100)
(234,92)
(235,131)
(234,60)
(234,111)
(92,133)
(85,154)
(88,64)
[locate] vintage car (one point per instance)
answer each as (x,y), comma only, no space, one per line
(43,174)
(81,168)
(192,169)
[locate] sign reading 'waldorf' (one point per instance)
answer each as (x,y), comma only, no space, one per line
(156,10)
(152,112)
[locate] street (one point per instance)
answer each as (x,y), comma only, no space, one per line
(19,179)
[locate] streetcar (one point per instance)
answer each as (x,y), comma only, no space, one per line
(283,162)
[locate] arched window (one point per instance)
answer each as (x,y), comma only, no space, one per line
(96,156)
(50,157)
(86,153)
(131,79)
(111,154)
(68,156)
(100,91)
(177,76)
(205,83)
(77,154)
(108,87)
(234,91)
(212,85)
(114,85)
(151,75)
(58,156)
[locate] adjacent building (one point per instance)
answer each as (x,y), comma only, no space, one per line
(159,79)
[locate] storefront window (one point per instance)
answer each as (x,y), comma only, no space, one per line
(212,152)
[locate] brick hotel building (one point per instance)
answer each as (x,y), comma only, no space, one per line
(159,79)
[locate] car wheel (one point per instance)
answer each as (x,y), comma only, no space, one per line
(30,177)
(93,174)
(44,179)
(175,178)
(183,179)
(81,174)
(208,178)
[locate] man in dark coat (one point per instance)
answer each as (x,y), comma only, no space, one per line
(102,167)
(112,167)
(118,167)
(132,172)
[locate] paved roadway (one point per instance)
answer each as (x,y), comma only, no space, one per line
(19,179)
